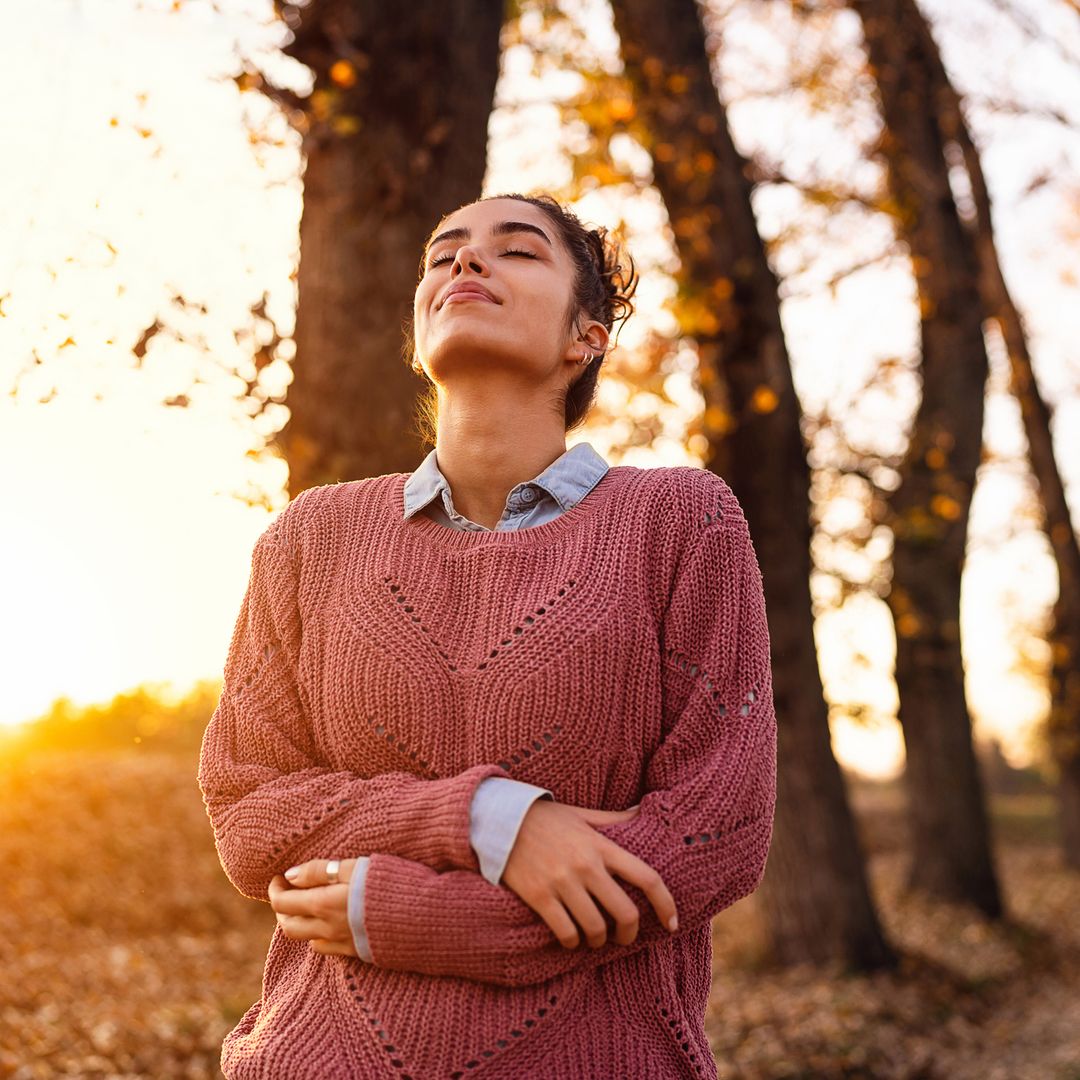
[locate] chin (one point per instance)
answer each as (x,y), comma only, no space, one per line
(467,352)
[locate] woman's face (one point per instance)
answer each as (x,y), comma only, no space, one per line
(529,274)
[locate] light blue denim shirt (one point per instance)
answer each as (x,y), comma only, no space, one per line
(500,803)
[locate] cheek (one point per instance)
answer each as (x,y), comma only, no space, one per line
(422,299)
(550,308)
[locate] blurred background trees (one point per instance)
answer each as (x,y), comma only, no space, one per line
(828,319)
(394,135)
(728,304)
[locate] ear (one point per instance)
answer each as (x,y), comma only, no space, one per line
(589,336)
(594,336)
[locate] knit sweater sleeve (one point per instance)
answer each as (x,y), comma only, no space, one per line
(271,797)
(706,818)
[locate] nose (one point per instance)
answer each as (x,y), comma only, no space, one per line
(468,256)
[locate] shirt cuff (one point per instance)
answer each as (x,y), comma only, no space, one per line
(355,906)
(495,815)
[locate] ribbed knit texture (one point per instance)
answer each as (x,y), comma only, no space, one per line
(380,668)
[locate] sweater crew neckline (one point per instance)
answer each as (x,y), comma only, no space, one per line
(430,531)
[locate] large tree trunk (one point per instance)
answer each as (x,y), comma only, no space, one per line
(1064,723)
(815,891)
(928,512)
(395,135)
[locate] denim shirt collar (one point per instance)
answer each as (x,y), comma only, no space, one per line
(568,479)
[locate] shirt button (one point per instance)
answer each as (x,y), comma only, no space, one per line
(528,495)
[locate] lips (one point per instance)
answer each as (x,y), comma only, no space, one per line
(471,288)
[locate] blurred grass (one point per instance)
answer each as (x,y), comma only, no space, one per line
(1025,819)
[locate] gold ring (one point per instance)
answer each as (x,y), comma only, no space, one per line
(332,868)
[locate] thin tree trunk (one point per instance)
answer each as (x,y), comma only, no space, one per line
(928,513)
(395,136)
(1064,722)
(815,892)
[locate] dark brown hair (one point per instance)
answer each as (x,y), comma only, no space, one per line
(602,290)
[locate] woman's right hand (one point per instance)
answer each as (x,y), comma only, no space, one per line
(559,859)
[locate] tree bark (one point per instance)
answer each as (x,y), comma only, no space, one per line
(815,892)
(928,513)
(1063,727)
(394,137)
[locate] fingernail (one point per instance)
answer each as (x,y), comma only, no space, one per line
(673,923)
(292,872)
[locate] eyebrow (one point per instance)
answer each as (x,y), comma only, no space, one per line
(501,228)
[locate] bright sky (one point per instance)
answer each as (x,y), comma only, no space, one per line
(125,547)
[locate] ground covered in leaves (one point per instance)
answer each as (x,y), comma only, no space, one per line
(127,953)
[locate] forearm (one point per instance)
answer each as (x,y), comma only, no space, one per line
(705,828)
(496,813)
(274,808)
(456,923)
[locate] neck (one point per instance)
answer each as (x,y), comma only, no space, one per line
(484,449)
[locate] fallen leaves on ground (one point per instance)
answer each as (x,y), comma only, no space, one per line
(128,954)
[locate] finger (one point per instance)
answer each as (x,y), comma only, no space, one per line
(278,885)
(575,897)
(558,919)
(313,872)
(637,872)
(302,927)
(618,905)
(332,948)
(606,817)
(317,900)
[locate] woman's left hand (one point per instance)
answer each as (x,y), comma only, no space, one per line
(309,907)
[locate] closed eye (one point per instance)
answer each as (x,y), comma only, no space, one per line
(511,251)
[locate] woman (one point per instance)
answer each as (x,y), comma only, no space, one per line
(462,701)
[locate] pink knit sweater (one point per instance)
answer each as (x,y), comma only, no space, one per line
(381,668)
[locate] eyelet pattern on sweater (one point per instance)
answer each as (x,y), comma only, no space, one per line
(380,669)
